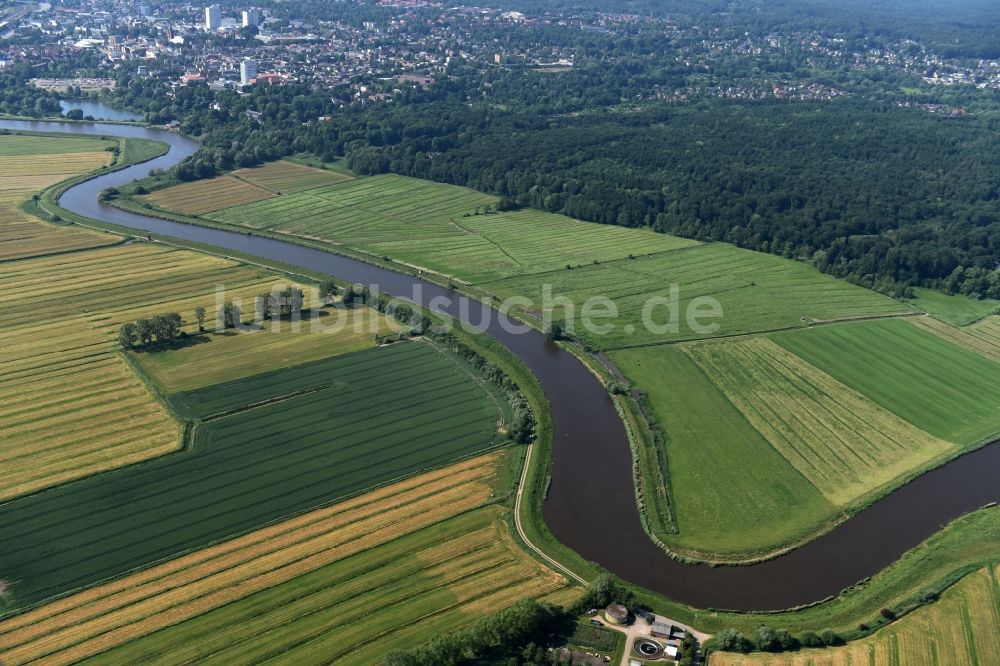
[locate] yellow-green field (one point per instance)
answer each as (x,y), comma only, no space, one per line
(982,337)
(69,405)
(287,177)
(243,186)
(960,629)
(410,559)
(28,164)
(205,196)
(215,358)
(843,443)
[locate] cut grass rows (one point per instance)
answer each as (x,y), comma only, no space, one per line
(205,196)
(284,177)
(226,357)
(941,388)
(115,613)
(756,292)
(961,629)
(64,339)
(982,337)
(22,235)
(732,492)
(249,469)
(846,445)
(358,608)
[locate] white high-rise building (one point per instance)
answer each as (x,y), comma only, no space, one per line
(248,71)
(251,17)
(213,18)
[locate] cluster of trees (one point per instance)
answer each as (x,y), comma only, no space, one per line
(146,332)
(767,639)
(280,304)
(505,637)
(19,97)
(516,636)
(976,282)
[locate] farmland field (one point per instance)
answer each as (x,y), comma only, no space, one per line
(758,292)
(68,403)
(843,443)
(955,309)
(351,423)
(962,628)
(732,491)
(941,388)
(432,225)
(286,177)
(372,539)
(982,337)
(205,196)
(28,164)
(222,357)
(434,580)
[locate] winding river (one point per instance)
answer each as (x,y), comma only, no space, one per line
(591,456)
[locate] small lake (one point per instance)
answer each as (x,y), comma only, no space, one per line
(99,110)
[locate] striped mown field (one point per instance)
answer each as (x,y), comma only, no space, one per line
(69,405)
(287,177)
(757,293)
(30,163)
(940,387)
(982,337)
(732,492)
(224,357)
(962,628)
(842,442)
(205,196)
(23,235)
(397,553)
(344,425)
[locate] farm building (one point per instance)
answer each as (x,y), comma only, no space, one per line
(616,614)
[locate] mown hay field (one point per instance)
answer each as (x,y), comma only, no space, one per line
(521,242)
(292,559)
(757,292)
(962,628)
(20,145)
(434,226)
(287,177)
(29,164)
(955,309)
(69,405)
(23,235)
(356,609)
(362,211)
(383,414)
(205,196)
(843,443)
(946,390)
(218,357)
(732,492)
(982,337)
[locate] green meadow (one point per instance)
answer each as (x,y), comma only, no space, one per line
(950,392)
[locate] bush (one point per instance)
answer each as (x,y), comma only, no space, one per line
(830,637)
(888,614)
(811,639)
(731,640)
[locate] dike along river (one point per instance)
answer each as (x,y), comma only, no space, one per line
(591,505)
